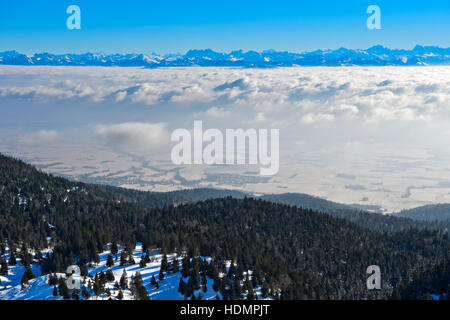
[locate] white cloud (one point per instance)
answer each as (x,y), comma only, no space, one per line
(215,112)
(133,135)
(120,96)
(319,117)
(41,137)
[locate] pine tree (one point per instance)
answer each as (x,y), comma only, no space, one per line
(226,289)
(142,263)
(174,266)
(164,263)
(123,258)
(98,287)
(120,295)
(75,295)
(131,260)
(251,295)
(12,258)
(30,273)
(249,284)
(216,284)
(138,289)
(190,288)
(124,280)
(85,294)
(153,281)
(196,276)
(182,286)
(236,288)
(63,290)
(109,261)
(27,275)
(161,275)
(204,281)
(52,280)
(109,276)
(97,258)
(265,290)
(102,278)
(114,248)
(25,256)
(185,267)
(3,267)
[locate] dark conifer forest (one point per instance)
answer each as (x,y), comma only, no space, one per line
(295,253)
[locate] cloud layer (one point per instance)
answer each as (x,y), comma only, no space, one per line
(383,128)
(41,137)
(311,95)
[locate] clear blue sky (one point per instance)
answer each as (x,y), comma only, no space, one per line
(177,26)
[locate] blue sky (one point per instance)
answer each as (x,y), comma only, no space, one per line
(177,26)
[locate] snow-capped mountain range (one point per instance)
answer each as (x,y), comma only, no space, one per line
(374,56)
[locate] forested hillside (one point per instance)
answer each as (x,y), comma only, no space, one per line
(430,284)
(147,199)
(300,253)
(373,221)
(432,212)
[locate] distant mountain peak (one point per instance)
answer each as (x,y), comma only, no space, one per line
(377,55)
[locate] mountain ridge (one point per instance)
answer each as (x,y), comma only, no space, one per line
(373,56)
(430,212)
(62,188)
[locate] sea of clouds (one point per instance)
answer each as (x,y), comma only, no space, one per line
(375,135)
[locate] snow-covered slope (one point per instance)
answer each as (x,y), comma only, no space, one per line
(39,289)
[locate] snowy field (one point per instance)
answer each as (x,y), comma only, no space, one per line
(38,288)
